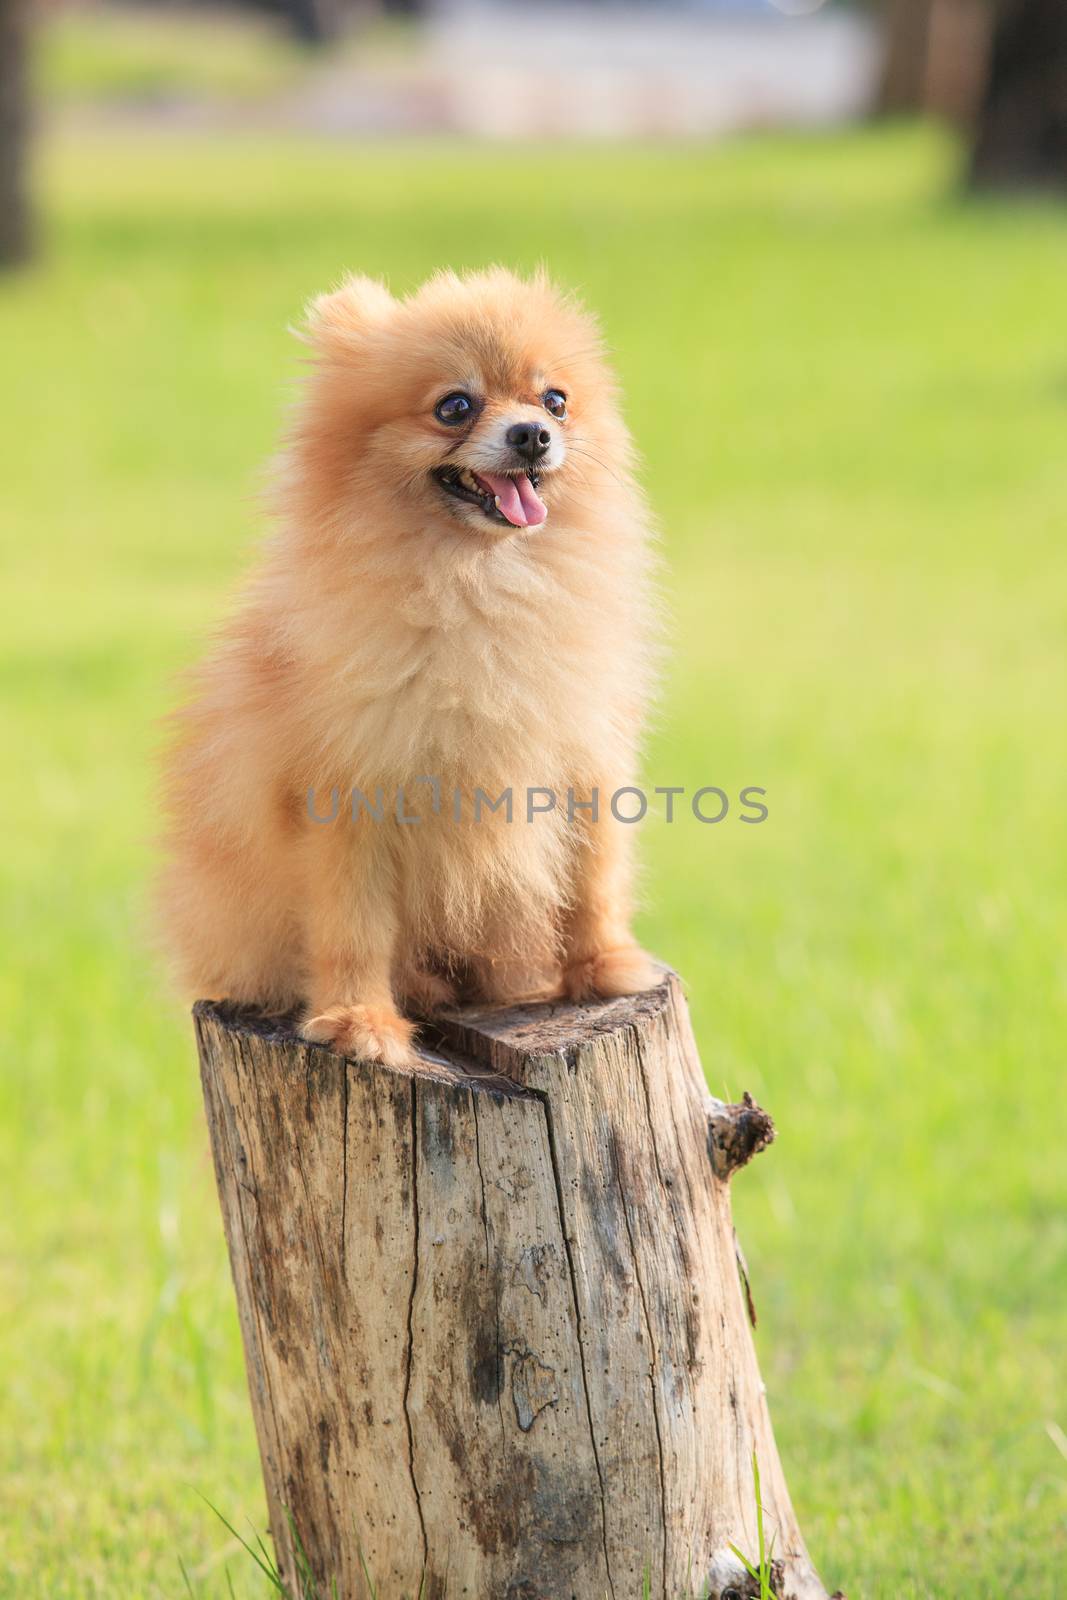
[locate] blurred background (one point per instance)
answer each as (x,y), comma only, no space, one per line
(828,244)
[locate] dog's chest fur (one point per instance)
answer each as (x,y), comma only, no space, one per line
(482,669)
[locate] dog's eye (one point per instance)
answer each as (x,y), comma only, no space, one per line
(555,402)
(454,408)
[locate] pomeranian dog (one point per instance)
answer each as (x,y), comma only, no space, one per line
(453,617)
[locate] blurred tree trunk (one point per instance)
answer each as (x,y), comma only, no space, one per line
(1022,126)
(323,22)
(907,41)
(14,214)
(957,59)
(313,21)
(935,58)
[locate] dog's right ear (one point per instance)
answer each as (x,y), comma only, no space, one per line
(336,321)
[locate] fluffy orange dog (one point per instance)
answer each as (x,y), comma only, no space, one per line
(457,593)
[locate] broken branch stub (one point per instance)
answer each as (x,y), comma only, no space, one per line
(736,1133)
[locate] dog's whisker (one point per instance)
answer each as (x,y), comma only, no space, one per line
(577,450)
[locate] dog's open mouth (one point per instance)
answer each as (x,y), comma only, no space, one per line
(503,497)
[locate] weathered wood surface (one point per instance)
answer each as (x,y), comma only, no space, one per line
(496,1338)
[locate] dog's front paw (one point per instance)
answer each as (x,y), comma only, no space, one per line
(609,974)
(373,1033)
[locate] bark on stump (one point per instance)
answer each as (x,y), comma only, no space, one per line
(497,1339)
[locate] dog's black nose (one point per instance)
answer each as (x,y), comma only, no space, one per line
(529,439)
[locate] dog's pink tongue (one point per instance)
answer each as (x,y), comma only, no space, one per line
(517,498)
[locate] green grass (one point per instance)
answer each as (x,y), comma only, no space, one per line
(103,53)
(106,55)
(851,391)
(762,1571)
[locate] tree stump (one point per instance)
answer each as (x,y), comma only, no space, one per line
(496,1333)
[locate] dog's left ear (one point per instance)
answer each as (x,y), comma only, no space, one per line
(338,320)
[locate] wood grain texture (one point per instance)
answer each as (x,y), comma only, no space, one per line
(497,1343)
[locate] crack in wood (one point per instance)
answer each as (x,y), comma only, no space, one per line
(496,1296)
(530,1270)
(652,1365)
(554,1157)
(533,1387)
(652,1345)
(344,1176)
(409,1355)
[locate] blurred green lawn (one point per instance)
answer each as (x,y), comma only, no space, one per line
(113,55)
(110,53)
(851,393)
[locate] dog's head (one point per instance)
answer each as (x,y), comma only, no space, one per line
(480,403)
